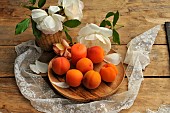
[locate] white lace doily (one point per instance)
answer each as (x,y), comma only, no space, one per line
(162,109)
(34,88)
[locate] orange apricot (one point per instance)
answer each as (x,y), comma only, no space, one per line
(108,72)
(74,77)
(60,65)
(95,54)
(91,79)
(78,51)
(84,65)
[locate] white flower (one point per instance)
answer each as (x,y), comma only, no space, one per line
(72,8)
(93,35)
(48,24)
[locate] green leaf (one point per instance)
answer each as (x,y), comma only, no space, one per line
(115,35)
(36,32)
(31,7)
(68,37)
(22,26)
(116,17)
(41,3)
(32,1)
(65,29)
(72,23)
(103,23)
(109,14)
(108,23)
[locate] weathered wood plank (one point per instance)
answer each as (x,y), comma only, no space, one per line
(7,30)
(159,65)
(136,16)
(7,58)
(153,93)
(159,60)
(10,95)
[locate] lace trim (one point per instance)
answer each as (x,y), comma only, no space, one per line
(34,88)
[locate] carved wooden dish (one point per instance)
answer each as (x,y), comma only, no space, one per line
(83,94)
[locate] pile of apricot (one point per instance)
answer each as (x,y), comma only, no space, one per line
(83,60)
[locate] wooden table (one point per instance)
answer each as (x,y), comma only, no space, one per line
(136,15)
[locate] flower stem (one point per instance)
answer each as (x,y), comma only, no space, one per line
(118,26)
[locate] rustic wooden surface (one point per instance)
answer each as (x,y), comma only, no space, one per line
(83,94)
(136,15)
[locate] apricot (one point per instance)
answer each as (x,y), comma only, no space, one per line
(74,77)
(95,54)
(60,65)
(108,72)
(78,51)
(91,79)
(84,65)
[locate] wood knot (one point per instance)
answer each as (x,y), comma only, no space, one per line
(4,110)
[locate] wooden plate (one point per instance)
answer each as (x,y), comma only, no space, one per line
(83,94)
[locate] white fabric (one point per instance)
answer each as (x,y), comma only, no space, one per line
(34,88)
(162,109)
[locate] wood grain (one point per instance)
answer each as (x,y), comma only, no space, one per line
(137,17)
(83,94)
(10,95)
(153,93)
(7,30)
(7,58)
(159,65)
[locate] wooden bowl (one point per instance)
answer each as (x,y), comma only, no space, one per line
(83,94)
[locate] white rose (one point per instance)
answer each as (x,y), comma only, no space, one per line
(72,8)
(48,24)
(93,35)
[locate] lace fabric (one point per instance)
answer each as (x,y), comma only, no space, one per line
(42,97)
(162,109)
